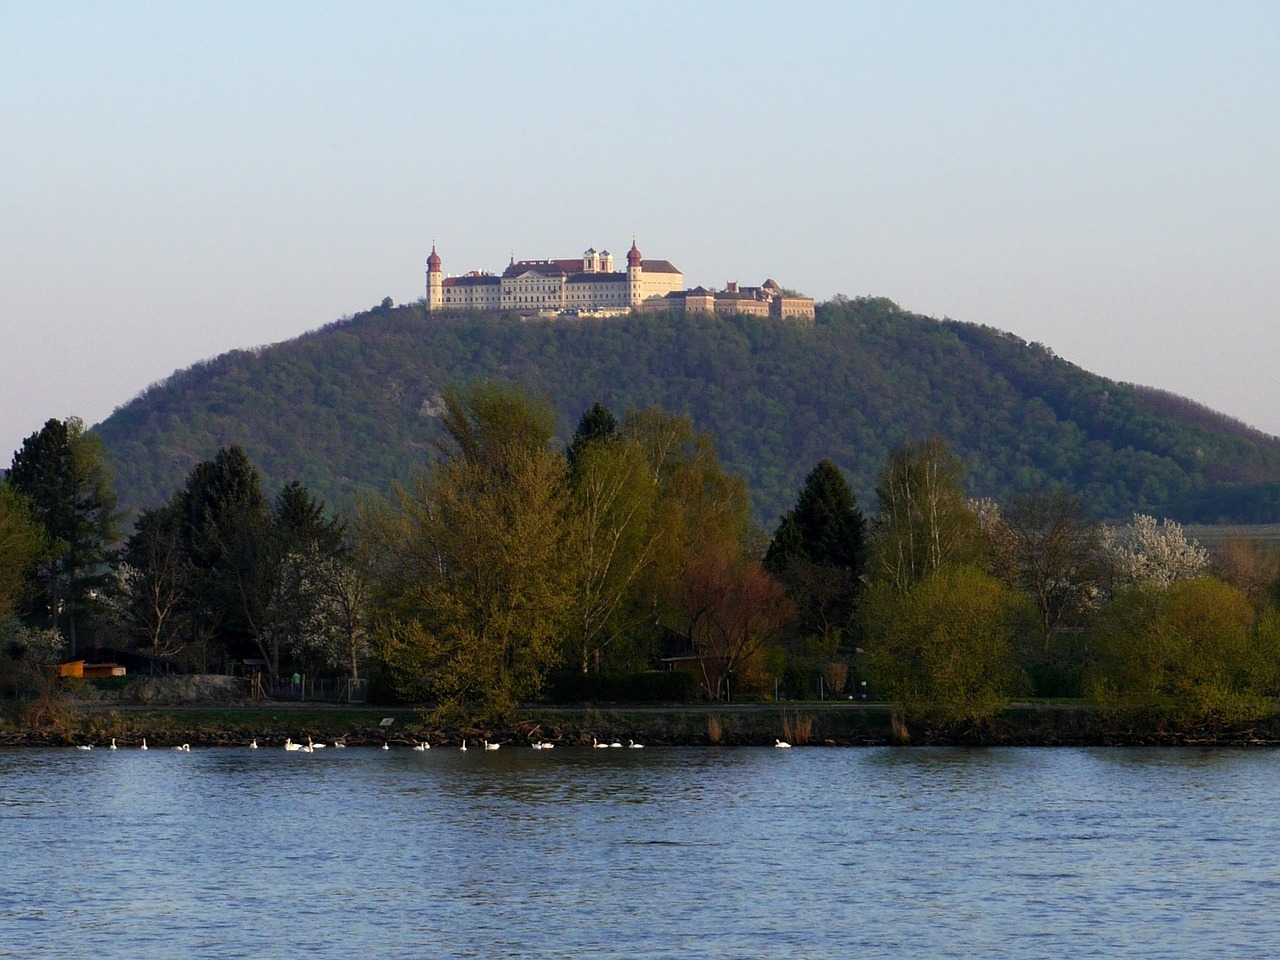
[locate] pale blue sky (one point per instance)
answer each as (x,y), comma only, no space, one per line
(177,180)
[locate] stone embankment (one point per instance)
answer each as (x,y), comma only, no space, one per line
(204,714)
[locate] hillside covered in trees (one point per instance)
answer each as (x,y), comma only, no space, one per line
(356,404)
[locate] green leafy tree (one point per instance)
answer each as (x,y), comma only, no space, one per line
(614,535)
(924,520)
(22,543)
(64,476)
(471,563)
(1191,653)
(943,649)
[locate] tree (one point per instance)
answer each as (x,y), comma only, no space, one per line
(225,535)
(1045,545)
(63,473)
(700,507)
(942,649)
(735,608)
(1156,553)
(1190,652)
(157,576)
(819,554)
(597,424)
(613,538)
(1251,566)
(471,563)
(22,543)
(923,520)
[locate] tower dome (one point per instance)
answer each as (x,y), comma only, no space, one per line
(433,261)
(633,255)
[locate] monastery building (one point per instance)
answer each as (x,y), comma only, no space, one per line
(590,285)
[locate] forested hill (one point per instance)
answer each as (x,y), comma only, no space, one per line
(354,405)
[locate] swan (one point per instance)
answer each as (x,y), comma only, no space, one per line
(185,748)
(615,744)
(548,746)
(253,744)
(290,745)
(113,743)
(84,746)
(313,746)
(463,748)
(491,746)
(598,745)
(782,744)
(537,745)
(422,747)
(635,746)
(340,744)
(385,745)
(144,744)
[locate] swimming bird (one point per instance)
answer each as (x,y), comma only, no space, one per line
(598,745)
(113,744)
(615,744)
(144,744)
(422,747)
(463,748)
(185,748)
(537,745)
(491,746)
(385,745)
(782,744)
(253,744)
(290,745)
(635,746)
(84,746)
(340,743)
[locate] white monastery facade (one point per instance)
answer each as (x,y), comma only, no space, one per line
(589,285)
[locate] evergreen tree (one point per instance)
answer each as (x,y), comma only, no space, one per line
(819,554)
(62,473)
(597,424)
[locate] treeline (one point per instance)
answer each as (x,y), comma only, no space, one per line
(511,561)
(354,406)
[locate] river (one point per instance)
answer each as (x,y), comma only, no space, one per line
(678,852)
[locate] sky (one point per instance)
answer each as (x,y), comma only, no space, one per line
(178,180)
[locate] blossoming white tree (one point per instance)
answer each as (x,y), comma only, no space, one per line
(1146,551)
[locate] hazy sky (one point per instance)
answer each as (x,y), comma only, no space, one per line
(177,180)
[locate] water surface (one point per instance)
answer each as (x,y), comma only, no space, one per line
(736,852)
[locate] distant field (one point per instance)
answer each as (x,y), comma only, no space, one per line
(1213,535)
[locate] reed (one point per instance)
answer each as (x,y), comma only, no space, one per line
(715,728)
(797,729)
(898,730)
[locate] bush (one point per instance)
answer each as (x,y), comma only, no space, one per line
(650,685)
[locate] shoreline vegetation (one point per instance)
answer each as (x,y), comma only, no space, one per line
(1029,724)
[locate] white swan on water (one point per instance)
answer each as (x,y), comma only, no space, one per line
(782,744)
(463,748)
(635,746)
(491,746)
(113,743)
(385,745)
(290,745)
(185,748)
(253,744)
(598,745)
(84,746)
(422,747)
(144,744)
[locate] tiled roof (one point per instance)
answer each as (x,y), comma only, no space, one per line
(472,280)
(658,266)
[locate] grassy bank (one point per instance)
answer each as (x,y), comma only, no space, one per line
(816,724)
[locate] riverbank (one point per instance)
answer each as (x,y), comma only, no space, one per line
(801,724)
